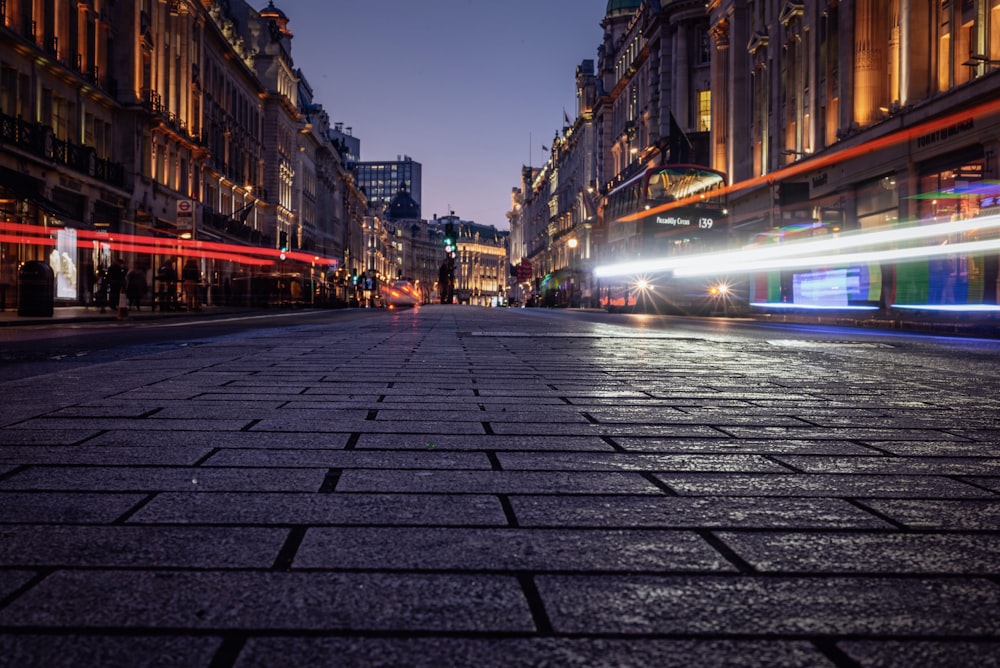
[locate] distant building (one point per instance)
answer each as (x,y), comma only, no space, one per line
(482,268)
(382,181)
(347,143)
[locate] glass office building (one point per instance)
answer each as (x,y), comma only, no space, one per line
(382,181)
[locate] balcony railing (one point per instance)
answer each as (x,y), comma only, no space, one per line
(40,141)
(235,228)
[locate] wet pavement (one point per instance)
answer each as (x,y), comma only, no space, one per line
(457,486)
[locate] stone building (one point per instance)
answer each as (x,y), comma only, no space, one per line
(827,117)
(849,116)
(167,121)
(417,245)
(63,166)
(481,261)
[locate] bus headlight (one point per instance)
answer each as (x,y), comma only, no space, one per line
(719,290)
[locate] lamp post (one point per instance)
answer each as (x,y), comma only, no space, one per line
(571,244)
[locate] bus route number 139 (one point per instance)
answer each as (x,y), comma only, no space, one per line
(706,223)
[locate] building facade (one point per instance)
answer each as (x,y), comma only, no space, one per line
(64,171)
(157,131)
(382,181)
(856,116)
(481,261)
(828,118)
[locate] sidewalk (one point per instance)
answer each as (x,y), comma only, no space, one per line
(458,486)
(65,314)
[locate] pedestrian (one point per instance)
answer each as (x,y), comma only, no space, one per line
(167,278)
(446,281)
(135,287)
(115,279)
(191,276)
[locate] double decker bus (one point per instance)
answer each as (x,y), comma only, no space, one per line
(661,213)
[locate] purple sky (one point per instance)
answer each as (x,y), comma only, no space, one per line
(471,89)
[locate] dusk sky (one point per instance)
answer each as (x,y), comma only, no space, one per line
(470,89)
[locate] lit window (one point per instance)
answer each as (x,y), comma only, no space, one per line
(704,110)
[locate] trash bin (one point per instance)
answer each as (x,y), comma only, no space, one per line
(35,289)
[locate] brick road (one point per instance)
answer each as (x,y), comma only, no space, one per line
(472,487)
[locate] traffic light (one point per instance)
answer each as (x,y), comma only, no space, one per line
(449,237)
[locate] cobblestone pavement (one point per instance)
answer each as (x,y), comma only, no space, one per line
(470,487)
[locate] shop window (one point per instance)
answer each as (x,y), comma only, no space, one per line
(956,194)
(878,202)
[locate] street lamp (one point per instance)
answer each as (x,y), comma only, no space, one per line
(977,59)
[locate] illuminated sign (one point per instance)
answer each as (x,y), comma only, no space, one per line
(673,221)
(677,221)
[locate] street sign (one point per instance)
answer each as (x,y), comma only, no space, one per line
(185,216)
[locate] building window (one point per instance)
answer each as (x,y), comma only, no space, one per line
(704,110)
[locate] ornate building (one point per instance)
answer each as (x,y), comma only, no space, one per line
(173,120)
(64,167)
(482,268)
(655,98)
(553,217)
(827,117)
(857,115)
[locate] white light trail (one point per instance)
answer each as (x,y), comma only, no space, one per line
(822,250)
(897,255)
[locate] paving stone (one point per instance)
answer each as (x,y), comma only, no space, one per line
(64,507)
(616,461)
(785,552)
(317,425)
(940,514)
(255,600)
(312,509)
(894,654)
(856,433)
(961,448)
(237,410)
(738,605)
(818,485)
(155,479)
(495,482)
(762,447)
(681,512)
(179,455)
(615,430)
(236,439)
(43,424)
(897,465)
(15,435)
(132,547)
(427,458)
(436,652)
(108,651)
(508,550)
(484,442)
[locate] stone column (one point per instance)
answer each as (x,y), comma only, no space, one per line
(869,59)
(720,97)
